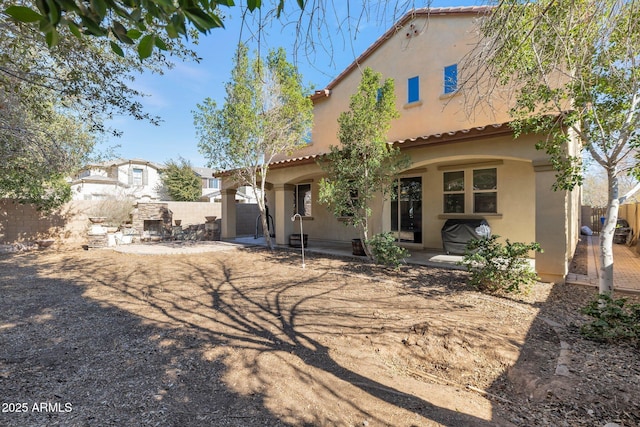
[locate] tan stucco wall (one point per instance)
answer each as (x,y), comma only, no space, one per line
(516,190)
(528,209)
(23,223)
(442,41)
(191,213)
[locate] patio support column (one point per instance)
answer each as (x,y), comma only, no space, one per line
(285,194)
(228,226)
(551,224)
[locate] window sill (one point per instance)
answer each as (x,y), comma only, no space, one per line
(469,216)
(412,104)
(449,95)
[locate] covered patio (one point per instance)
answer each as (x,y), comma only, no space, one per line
(428,258)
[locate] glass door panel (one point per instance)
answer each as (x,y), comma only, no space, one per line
(406,210)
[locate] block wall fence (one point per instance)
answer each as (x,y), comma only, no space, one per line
(68,225)
(628,211)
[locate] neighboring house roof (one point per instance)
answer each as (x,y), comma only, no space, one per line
(475,10)
(239,194)
(119,162)
(113,163)
(203,172)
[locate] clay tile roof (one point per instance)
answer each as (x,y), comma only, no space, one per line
(306,159)
(456,135)
(436,138)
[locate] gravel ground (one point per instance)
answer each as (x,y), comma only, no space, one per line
(244,337)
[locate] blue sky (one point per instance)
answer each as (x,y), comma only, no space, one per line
(174,95)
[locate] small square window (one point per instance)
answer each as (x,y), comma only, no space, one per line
(413,89)
(454,203)
(485,202)
(485,179)
(454,181)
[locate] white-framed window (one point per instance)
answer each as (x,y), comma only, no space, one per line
(138,176)
(485,190)
(213,183)
(303,200)
(453,190)
(476,186)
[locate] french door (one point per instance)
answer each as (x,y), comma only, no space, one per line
(406,210)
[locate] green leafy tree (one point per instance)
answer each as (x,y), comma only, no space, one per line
(574,68)
(146,25)
(181,181)
(53,106)
(266,113)
(364,165)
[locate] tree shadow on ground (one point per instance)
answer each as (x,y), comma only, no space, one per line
(170,341)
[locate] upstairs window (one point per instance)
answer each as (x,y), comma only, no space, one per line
(138,176)
(307,137)
(214,183)
(451,78)
(413,86)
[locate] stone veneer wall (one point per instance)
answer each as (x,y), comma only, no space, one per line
(151,212)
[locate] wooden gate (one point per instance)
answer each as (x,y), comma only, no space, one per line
(597,215)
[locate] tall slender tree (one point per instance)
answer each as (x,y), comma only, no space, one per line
(266,113)
(574,68)
(364,164)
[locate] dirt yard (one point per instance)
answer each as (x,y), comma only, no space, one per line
(244,337)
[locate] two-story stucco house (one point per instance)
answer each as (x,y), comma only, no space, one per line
(463,166)
(135,178)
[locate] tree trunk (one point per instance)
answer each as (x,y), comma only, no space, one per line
(265,212)
(364,237)
(605,284)
(264,219)
(265,229)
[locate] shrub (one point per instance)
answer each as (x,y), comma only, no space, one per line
(612,320)
(385,251)
(499,268)
(116,210)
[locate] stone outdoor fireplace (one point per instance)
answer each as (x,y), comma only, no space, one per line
(152,219)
